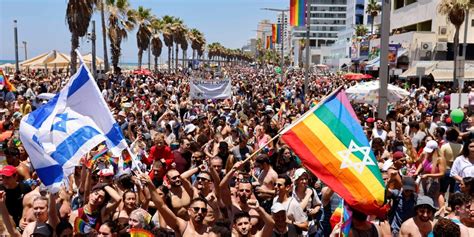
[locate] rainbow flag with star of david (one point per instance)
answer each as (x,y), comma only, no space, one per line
(332,145)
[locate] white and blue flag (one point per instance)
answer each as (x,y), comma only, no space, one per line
(59,133)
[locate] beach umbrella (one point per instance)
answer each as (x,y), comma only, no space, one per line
(368,92)
(143,71)
(356,76)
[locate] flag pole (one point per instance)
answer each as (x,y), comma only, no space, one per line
(285,129)
(132,155)
(342,218)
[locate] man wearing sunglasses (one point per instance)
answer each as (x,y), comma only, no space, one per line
(180,194)
(197,211)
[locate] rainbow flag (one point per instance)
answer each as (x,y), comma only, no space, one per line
(297,12)
(276,33)
(342,214)
(81,227)
(268,42)
(140,233)
(5,82)
(331,143)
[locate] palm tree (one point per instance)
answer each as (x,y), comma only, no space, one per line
(156,43)
(360,30)
(121,20)
(179,31)
(167,31)
(197,40)
(144,19)
(455,11)
(373,9)
(78,16)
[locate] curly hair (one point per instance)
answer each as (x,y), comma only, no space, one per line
(446,228)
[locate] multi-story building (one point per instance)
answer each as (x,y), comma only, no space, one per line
(340,52)
(285,24)
(327,18)
(423,33)
(250,47)
(263,27)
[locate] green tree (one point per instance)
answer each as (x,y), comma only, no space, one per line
(78,16)
(144,32)
(121,20)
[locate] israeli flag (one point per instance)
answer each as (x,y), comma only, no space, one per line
(63,130)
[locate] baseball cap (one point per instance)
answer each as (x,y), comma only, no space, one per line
(8,171)
(298,173)
(43,229)
(106,172)
(424,200)
(122,113)
(277,207)
(430,146)
(398,155)
(409,184)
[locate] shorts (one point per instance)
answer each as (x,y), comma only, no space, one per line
(447,182)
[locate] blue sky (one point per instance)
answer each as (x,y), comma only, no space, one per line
(42,24)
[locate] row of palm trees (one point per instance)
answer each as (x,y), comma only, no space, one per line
(121,19)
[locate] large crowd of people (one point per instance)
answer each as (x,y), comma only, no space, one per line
(196,173)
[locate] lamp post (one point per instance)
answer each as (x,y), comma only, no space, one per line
(24,46)
(15,32)
(383,71)
(308,50)
(92,37)
(282,11)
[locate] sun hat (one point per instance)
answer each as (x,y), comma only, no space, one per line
(430,146)
(408,184)
(424,200)
(189,128)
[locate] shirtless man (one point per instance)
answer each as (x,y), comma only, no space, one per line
(244,193)
(41,211)
(266,179)
(197,210)
(420,225)
(28,215)
(241,226)
(180,195)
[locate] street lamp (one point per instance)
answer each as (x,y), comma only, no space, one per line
(15,32)
(24,46)
(92,37)
(282,11)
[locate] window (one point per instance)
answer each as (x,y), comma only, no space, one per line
(472,23)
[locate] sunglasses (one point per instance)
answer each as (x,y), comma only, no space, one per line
(202,179)
(197,209)
(175,177)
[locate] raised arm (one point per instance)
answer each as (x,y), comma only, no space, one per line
(6,217)
(115,200)
(267,219)
(176,223)
(224,185)
(53,212)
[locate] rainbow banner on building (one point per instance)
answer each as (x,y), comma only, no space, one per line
(297,12)
(276,33)
(331,143)
(268,42)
